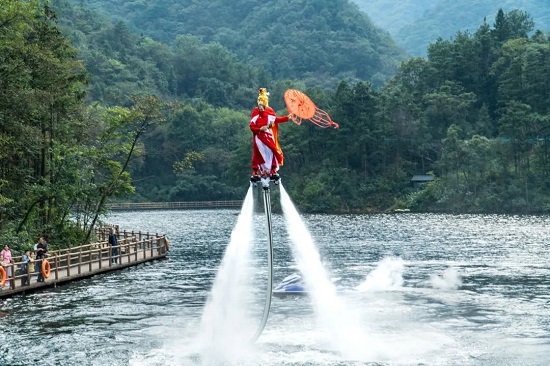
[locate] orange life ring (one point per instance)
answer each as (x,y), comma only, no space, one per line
(166,243)
(3,276)
(46,268)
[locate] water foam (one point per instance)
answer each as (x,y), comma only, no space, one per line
(226,327)
(340,324)
(388,275)
(449,280)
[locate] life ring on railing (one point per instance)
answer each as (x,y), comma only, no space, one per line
(46,268)
(3,276)
(166,243)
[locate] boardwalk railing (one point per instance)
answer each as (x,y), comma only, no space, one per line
(174,205)
(86,260)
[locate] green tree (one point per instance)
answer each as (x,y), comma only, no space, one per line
(40,107)
(515,24)
(119,142)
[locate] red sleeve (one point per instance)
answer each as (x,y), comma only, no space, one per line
(281,119)
(254,128)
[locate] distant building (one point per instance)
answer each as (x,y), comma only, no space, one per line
(418,181)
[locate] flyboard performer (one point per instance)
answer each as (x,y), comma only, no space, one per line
(267,156)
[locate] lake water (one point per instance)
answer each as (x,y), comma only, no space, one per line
(420,289)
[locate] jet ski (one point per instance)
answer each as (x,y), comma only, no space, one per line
(293,285)
(290,285)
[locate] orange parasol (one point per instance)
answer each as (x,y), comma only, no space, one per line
(301,106)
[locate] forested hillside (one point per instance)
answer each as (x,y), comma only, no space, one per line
(474,113)
(415,24)
(392,16)
(316,41)
(92,112)
(122,63)
(62,159)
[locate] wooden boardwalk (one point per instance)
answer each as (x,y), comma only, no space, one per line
(75,263)
(175,205)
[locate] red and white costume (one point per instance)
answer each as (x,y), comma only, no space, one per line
(267,155)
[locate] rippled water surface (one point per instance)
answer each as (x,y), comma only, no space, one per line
(428,290)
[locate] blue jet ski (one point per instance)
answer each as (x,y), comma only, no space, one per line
(290,285)
(293,285)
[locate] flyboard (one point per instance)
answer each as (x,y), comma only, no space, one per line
(300,107)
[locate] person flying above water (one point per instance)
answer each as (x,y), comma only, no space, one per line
(267,155)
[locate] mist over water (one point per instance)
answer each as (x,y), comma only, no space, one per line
(340,325)
(449,280)
(226,328)
(388,275)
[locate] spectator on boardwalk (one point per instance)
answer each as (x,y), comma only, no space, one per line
(41,252)
(114,246)
(31,266)
(5,257)
(26,264)
(45,246)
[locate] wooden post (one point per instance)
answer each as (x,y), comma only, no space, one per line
(68,262)
(100,256)
(80,261)
(56,262)
(12,279)
(29,271)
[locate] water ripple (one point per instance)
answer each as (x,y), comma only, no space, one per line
(149,314)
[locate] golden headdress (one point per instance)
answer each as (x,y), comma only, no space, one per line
(263,97)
